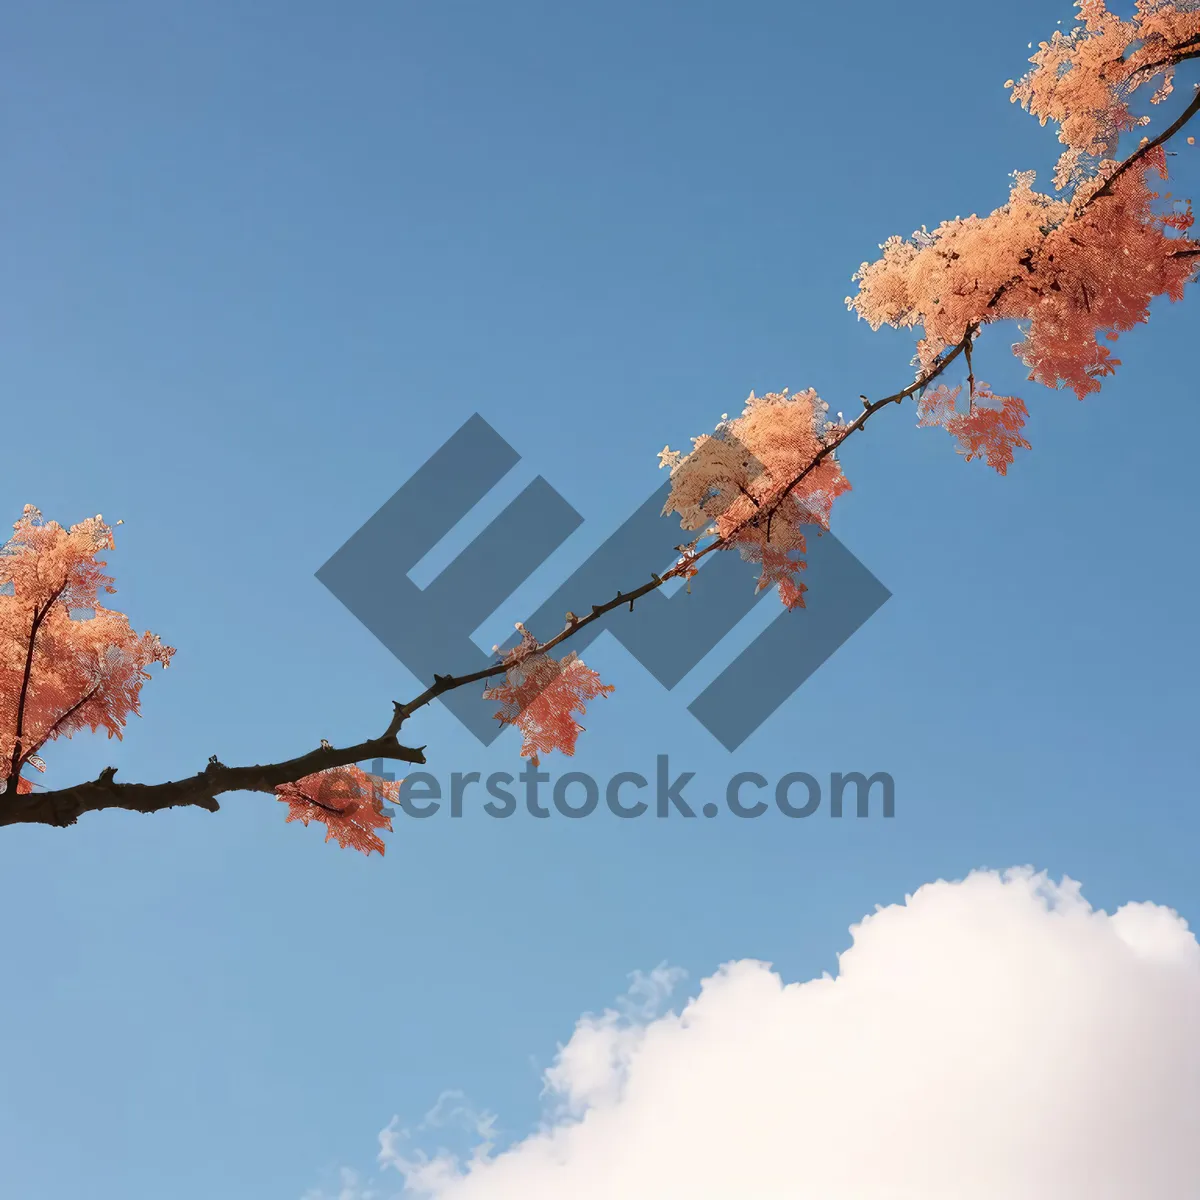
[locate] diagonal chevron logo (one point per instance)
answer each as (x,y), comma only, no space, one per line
(429,629)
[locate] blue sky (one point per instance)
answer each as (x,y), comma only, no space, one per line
(260,264)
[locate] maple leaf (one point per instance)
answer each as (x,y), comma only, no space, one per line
(66,662)
(540,696)
(347,801)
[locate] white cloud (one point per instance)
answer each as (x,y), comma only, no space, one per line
(989,1038)
(423,1173)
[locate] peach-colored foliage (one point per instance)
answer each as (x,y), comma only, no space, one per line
(66,662)
(1068,268)
(1069,276)
(740,484)
(540,695)
(1083,80)
(347,801)
(1071,267)
(990,430)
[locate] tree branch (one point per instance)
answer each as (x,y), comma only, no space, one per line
(1144,149)
(18,754)
(1180,53)
(447,683)
(65,806)
(60,720)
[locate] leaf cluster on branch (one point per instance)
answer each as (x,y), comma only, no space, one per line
(1074,271)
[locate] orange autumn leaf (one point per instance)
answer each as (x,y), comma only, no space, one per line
(990,429)
(540,696)
(347,801)
(992,433)
(66,662)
